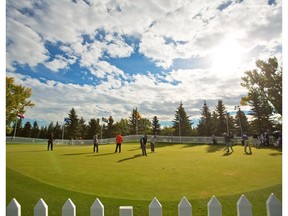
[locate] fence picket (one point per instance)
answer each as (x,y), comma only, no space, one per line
(13,208)
(274,206)
(69,209)
(155,208)
(214,207)
(244,207)
(97,209)
(41,208)
(126,210)
(184,207)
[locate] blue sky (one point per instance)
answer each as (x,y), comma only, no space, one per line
(107,57)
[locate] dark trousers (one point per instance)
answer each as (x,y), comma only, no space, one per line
(118,145)
(50,145)
(95,147)
(152,146)
(143,147)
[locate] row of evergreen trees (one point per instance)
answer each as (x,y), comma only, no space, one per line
(215,122)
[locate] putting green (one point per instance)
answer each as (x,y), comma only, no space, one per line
(174,171)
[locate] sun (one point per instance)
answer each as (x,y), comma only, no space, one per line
(227,57)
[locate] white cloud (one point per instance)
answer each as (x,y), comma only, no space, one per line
(167,31)
(59,62)
(24,45)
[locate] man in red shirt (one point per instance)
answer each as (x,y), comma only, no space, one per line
(119,140)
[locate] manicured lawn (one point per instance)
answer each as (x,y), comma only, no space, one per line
(195,171)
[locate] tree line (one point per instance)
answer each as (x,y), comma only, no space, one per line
(264,96)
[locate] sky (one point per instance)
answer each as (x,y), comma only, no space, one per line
(104,58)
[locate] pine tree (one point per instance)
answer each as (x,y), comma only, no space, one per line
(27,130)
(82,128)
(50,130)
(205,125)
(134,121)
(261,112)
(93,127)
(182,120)
(57,131)
(35,130)
(73,126)
(110,131)
(214,122)
(221,124)
(155,126)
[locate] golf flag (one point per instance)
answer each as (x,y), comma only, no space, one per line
(67,120)
(104,119)
(20,115)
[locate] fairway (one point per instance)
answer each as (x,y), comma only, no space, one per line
(174,171)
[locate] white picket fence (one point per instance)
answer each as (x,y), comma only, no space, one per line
(214,208)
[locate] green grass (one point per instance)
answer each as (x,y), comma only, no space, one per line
(195,171)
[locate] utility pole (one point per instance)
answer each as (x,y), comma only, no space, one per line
(239,116)
(227,123)
(179,128)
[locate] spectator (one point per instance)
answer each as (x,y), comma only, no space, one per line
(246,144)
(256,141)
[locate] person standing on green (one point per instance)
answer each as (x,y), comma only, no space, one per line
(227,142)
(152,143)
(95,143)
(50,142)
(143,142)
(246,144)
(119,140)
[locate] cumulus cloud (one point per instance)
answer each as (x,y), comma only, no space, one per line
(24,45)
(89,35)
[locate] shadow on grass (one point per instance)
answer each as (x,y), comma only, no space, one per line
(135,149)
(75,154)
(129,158)
(99,154)
(214,148)
(248,153)
(20,151)
(276,154)
(227,154)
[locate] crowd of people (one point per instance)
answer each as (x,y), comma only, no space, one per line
(264,139)
(119,140)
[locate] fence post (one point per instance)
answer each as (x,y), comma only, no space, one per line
(41,208)
(244,207)
(184,207)
(214,207)
(155,208)
(69,209)
(274,206)
(97,209)
(13,208)
(126,210)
